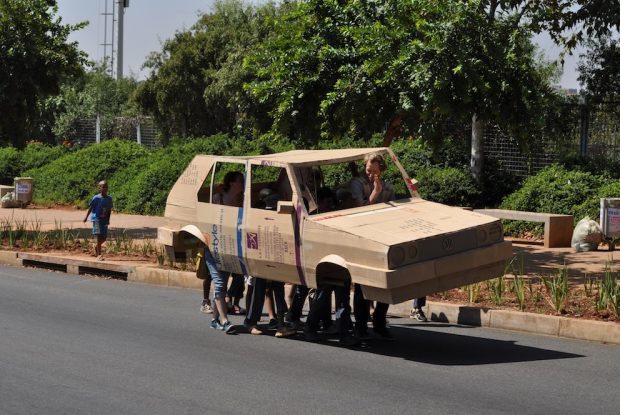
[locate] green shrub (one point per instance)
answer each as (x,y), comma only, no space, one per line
(143,187)
(121,183)
(451,186)
(553,190)
(413,155)
(497,183)
(592,206)
(9,165)
(38,154)
(597,165)
(72,179)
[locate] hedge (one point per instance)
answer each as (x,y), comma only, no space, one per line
(553,190)
(72,179)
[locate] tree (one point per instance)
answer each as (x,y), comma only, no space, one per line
(36,58)
(599,70)
(335,67)
(196,83)
(97,94)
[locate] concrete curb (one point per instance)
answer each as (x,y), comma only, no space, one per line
(566,327)
(597,331)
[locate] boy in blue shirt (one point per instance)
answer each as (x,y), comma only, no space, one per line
(100,209)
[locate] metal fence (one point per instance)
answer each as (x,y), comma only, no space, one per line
(89,131)
(588,131)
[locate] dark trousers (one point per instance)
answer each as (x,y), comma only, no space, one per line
(418,302)
(237,286)
(320,310)
(206,289)
(361,309)
(299,299)
(258,300)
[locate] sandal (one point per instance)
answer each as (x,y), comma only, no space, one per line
(206,308)
(237,311)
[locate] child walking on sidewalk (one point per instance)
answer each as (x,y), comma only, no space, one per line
(100,210)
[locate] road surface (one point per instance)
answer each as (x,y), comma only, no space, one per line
(84,345)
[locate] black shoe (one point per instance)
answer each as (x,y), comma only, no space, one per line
(418,314)
(363,335)
(311,336)
(383,333)
(350,341)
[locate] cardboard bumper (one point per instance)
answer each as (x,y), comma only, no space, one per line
(433,276)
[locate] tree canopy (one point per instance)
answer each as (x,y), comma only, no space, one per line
(599,70)
(36,58)
(350,67)
(196,83)
(96,94)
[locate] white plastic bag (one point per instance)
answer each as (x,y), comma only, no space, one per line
(587,235)
(8,201)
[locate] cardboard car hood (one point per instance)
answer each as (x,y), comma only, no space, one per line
(402,221)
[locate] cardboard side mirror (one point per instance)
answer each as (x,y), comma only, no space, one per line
(286,207)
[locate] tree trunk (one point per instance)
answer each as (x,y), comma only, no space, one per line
(477,148)
(393,130)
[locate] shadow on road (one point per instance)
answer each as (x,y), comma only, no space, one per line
(413,342)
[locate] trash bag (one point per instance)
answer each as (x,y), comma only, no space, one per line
(9,201)
(587,235)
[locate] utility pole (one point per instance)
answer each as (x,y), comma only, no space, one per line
(105,43)
(121,6)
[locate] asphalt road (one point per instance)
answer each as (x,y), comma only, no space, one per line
(82,345)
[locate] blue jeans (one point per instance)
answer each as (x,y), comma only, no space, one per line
(219,284)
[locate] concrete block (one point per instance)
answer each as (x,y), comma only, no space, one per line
(559,231)
(458,314)
(149,275)
(73,269)
(599,331)
(184,279)
(527,322)
(10,258)
(400,309)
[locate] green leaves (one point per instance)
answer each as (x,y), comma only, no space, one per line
(36,58)
(97,94)
(599,70)
(196,86)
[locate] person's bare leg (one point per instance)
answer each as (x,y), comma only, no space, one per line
(248,297)
(222,310)
(269,303)
(289,289)
(100,240)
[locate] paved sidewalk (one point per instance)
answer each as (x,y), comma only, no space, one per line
(537,260)
(137,226)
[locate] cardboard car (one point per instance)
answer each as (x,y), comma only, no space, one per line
(397,250)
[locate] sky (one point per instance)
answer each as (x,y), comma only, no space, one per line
(148,23)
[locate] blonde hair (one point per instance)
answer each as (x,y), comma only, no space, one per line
(375,158)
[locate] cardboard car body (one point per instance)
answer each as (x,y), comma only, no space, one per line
(397,250)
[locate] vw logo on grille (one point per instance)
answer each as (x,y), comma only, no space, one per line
(447,244)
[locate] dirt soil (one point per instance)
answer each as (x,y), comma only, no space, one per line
(577,305)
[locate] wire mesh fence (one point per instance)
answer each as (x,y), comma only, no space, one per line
(603,139)
(591,132)
(88,131)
